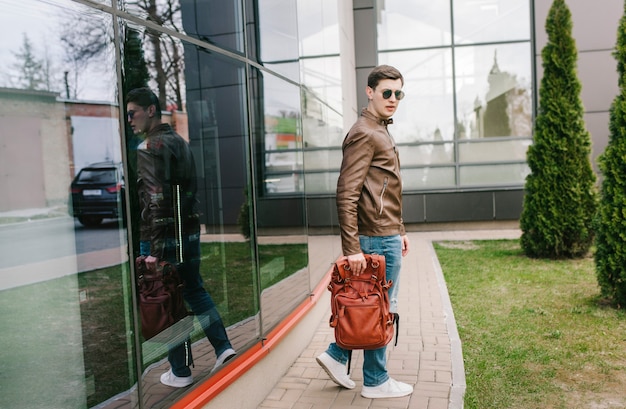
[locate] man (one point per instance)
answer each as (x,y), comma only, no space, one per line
(166,177)
(369,205)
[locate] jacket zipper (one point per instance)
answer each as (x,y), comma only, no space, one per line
(382,203)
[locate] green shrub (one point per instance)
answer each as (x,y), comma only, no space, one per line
(560,198)
(610,256)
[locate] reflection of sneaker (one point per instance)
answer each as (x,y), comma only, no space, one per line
(336,370)
(223,358)
(389,389)
(169,379)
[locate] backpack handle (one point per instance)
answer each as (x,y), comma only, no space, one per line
(375,260)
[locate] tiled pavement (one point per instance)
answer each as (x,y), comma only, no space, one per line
(428,354)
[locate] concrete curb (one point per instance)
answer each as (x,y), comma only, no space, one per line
(457,389)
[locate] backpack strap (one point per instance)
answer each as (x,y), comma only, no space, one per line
(396,320)
(349,360)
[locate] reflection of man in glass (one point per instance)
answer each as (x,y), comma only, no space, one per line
(167,176)
(369,206)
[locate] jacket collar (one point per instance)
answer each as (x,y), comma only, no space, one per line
(369,115)
(159,129)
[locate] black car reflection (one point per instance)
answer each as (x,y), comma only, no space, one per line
(97,192)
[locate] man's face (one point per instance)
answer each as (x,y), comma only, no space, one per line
(381,107)
(138,118)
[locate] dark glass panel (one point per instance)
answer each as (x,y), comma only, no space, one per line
(203,99)
(217,22)
(279,199)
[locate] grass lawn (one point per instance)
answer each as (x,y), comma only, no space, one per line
(535,333)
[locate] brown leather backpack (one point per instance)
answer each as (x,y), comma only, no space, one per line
(360,305)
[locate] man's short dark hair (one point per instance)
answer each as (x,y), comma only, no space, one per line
(383,72)
(144,97)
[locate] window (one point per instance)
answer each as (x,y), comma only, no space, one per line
(469,94)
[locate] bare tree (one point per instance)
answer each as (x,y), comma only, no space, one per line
(88,37)
(86,42)
(164,57)
(174,71)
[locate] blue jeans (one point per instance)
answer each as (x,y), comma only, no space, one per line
(198,299)
(375,360)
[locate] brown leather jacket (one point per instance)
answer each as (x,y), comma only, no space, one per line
(369,189)
(164,161)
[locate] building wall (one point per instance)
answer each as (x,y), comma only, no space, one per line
(33,122)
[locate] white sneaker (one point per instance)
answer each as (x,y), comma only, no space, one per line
(389,389)
(223,358)
(337,371)
(169,379)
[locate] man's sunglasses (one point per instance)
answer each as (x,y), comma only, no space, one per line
(130,115)
(387,94)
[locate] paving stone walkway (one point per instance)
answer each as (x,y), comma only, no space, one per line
(428,355)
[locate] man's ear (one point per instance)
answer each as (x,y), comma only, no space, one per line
(369,91)
(151,110)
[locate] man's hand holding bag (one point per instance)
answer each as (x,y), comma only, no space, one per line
(360,305)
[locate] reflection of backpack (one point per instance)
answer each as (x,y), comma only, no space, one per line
(360,305)
(161,301)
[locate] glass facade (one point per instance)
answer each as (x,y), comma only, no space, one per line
(467,119)
(256,90)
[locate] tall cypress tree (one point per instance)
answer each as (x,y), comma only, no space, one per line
(610,257)
(560,198)
(135,75)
